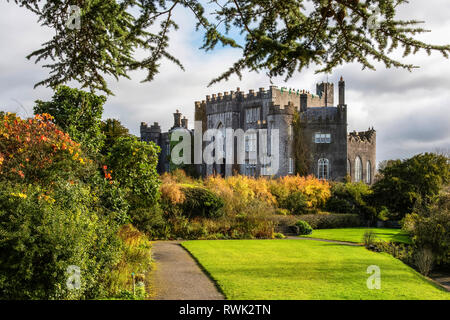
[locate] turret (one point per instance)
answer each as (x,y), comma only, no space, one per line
(341,92)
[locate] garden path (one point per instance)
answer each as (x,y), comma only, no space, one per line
(177,276)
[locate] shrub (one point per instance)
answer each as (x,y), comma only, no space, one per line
(201,202)
(348,197)
(279,235)
(369,239)
(316,191)
(303,227)
(429,227)
(424,260)
(282,212)
(37,151)
(329,221)
(149,220)
(296,203)
(401,251)
(43,233)
(339,205)
(136,258)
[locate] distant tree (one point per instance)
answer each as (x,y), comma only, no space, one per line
(112,129)
(99,38)
(78,113)
(403,183)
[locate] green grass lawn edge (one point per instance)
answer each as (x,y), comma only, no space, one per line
(231,288)
(355,235)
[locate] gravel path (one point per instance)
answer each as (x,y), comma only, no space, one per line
(177,276)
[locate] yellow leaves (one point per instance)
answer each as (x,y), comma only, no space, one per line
(19,195)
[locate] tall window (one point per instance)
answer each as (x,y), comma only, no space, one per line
(251,115)
(323,169)
(322,137)
(358,169)
(290,131)
(251,142)
(368,173)
(291,166)
(349,167)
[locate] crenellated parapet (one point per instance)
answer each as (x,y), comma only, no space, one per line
(368,136)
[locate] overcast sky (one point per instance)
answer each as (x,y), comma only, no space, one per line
(410,111)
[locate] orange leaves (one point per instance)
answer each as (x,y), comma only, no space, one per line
(107,173)
(30,144)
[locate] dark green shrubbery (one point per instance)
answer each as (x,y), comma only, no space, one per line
(44,233)
(303,227)
(200,202)
(330,221)
(351,198)
(295,202)
(429,227)
(402,183)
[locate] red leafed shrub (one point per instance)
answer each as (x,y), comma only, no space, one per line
(36,150)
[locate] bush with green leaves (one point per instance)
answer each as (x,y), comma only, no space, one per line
(330,221)
(402,183)
(429,227)
(132,163)
(42,233)
(351,198)
(303,227)
(295,202)
(200,202)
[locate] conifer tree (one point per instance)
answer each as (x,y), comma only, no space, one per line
(280,36)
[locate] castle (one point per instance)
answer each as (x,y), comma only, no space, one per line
(331,152)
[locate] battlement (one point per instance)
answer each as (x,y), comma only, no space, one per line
(286,109)
(362,136)
(154,128)
(253,94)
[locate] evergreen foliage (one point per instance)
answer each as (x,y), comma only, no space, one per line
(280,36)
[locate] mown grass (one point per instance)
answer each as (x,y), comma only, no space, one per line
(306,269)
(356,234)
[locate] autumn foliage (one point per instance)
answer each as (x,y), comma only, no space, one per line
(35,149)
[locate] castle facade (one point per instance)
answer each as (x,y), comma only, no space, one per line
(330,151)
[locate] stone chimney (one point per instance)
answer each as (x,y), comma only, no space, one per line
(177,119)
(184,122)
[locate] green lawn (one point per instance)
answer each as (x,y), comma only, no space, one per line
(306,269)
(356,234)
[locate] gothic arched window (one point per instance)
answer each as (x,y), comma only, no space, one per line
(323,169)
(358,169)
(368,173)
